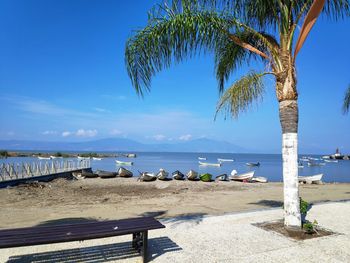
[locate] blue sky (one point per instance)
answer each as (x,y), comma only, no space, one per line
(63,78)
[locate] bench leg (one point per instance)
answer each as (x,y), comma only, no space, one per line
(144,250)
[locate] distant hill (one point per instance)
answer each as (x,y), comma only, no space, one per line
(121,144)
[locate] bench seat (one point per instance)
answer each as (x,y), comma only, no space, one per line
(39,235)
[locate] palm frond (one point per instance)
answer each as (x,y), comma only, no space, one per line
(346,103)
(229,56)
(172,35)
(241,95)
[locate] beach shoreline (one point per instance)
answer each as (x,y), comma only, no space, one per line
(100,199)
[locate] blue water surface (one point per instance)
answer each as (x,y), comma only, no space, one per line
(270,164)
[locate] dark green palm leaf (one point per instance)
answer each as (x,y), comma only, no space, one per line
(241,95)
(346,103)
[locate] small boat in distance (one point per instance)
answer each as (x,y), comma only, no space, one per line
(205,177)
(315,164)
(162,174)
(259,179)
(222,177)
(123,163)
(177,175)
(331,161)
(83,158)
(210,164)
(304,159)
(225,160)
(96,158)
(147,177)
(253,164)
(55,157)
(44,158)
(300,165)
(310,179)
(122,172)
(192,175)
(202,158)
(241,177)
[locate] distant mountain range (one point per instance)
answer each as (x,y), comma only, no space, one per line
(121,145)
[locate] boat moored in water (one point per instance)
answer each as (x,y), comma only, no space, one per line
(202,158)
(96,158)
(225,160)
(44,158)
(210,164)
(123,163)
(253,164)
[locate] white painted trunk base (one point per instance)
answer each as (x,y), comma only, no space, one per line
(290,180)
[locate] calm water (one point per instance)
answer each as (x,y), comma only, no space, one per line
(270,164)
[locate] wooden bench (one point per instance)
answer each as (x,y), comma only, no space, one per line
(38,235)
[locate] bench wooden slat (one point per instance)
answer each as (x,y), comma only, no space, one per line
(143,220)
(56,234)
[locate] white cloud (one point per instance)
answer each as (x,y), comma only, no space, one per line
(159,137)
(185,137)
(86,133)
(66,133)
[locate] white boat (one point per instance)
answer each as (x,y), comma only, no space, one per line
(55,157)
(83,158)
(331,161)
(210,164)
(202,158)
(44,158)
(162,174)
(147,177)
(225,160)
(78,175)
(241,177)
(304,159)
(315,164)
(325,157)
(122,172)
(310,179)
(123,163)
(314,159)
(192,175)
(96,159)
(259,179)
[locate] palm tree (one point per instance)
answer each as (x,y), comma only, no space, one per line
(236,32)
(346,103)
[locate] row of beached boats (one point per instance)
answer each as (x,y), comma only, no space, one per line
(177,175)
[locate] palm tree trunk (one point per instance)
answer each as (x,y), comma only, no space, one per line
(288,110)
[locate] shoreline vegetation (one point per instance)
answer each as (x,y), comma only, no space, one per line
(6,154)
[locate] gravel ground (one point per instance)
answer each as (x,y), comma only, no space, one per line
(198,238)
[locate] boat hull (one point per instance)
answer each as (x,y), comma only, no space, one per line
(242,177)
(192,175)
(205,177)
(210,164)
(310,179)
(162,175)
(147,177)
(122,172)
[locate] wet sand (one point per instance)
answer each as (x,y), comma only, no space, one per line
(97,199)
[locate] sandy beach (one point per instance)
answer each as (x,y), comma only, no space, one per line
(66,200)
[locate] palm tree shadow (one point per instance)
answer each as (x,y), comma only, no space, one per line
(98,254)
(195,218)
(268,203)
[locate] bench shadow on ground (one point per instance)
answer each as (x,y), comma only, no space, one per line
(268,203)
(195,218)
(102,253)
